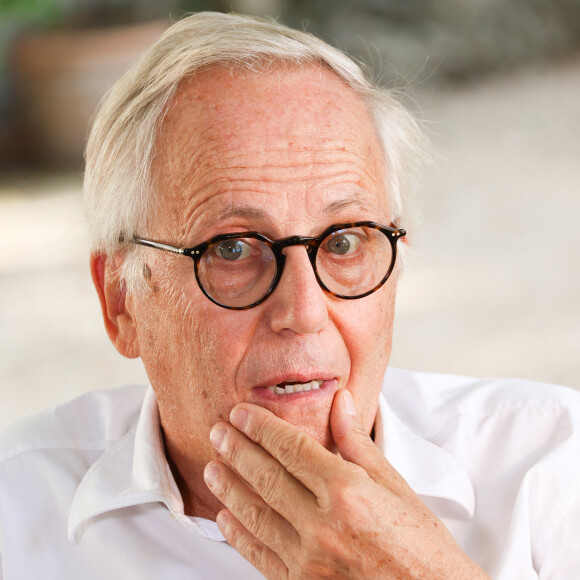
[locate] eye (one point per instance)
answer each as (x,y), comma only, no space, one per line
(233,250)
(343,243)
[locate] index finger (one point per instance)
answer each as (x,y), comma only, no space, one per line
(300,454)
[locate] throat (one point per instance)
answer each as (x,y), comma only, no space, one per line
(198,501)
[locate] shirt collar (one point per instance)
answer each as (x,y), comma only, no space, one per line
(431,471)
(134,471)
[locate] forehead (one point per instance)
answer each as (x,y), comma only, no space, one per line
(289,137)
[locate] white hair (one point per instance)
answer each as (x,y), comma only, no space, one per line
(118,186)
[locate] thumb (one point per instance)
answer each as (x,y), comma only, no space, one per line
(353,442)
(355,445)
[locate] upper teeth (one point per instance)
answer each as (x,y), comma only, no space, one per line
(295,388)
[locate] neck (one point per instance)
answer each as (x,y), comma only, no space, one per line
(198,501)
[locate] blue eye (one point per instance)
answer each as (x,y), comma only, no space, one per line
(233,250)
(342,244)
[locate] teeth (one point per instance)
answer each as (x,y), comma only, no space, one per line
(296,388)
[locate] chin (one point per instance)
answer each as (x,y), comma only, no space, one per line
(322,435)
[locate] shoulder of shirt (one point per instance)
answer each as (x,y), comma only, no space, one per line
(427,401)
(91,422)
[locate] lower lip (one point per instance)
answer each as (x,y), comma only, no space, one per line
(325,389)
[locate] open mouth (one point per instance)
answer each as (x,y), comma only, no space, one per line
(287,388)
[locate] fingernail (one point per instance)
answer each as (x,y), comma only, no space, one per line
(222,519)
(349,404)
(217,437)
(239,418)
(210,474)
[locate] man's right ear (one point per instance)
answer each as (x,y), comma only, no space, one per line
(115,304)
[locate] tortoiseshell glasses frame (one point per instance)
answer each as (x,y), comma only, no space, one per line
(379,261)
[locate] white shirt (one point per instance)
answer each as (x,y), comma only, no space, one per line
(86,491)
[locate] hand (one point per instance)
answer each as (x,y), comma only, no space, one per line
(308,513)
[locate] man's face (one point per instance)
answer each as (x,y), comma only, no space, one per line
(285,153)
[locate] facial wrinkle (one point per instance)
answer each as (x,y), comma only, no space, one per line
(197,216)
(354,201)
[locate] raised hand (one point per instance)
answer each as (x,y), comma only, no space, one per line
(296,510)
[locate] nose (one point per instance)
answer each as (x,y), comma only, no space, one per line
(298,304)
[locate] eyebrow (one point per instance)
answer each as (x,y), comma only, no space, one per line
(251,212)
(353,200)
(243,211)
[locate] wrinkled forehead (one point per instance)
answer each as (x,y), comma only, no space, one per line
(237,126)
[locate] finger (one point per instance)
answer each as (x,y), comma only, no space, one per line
(278,488)
(300,454)
(355,444)
(255,552)
(257,517)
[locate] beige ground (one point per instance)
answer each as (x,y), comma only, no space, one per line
(493,288)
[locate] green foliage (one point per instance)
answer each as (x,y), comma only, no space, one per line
(35,11)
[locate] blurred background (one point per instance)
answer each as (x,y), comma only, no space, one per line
(493,283)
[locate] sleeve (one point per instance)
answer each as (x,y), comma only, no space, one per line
(561,552)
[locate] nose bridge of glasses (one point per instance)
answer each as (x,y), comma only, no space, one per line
(280,246)
(298,269)
(284,243)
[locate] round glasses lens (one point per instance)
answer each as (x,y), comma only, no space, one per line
(237,272)
(353,261)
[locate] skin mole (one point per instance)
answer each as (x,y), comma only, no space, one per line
(147,276)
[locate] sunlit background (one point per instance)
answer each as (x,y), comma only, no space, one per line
(493,284)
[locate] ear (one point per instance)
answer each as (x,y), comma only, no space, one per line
(115,304)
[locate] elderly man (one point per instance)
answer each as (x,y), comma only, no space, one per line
(244,191)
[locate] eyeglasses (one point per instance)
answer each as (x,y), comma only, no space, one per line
(240,270)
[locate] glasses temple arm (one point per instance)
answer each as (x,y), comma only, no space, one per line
(158,245)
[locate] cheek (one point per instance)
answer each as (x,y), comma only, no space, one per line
(369,345)
(368,331)
(193,348)
(190,364)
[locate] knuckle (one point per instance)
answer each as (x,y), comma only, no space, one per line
(330,554)
(288,445)
(291,447)
(234,450)
(262,430)
(321,567)
(254,520)
(347,499)
(284,443)
(253,551)
(268,482)
(354,472)
(223,487)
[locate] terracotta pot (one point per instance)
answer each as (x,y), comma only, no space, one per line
(59,78)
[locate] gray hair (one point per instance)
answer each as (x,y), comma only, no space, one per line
(118,188)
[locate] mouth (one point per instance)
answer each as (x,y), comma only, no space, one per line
(287,388)
(296,389)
